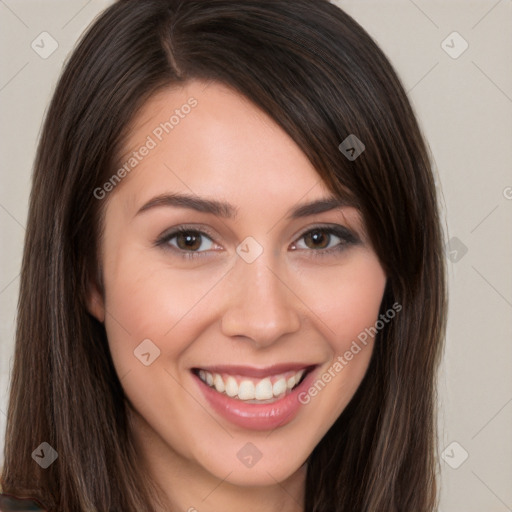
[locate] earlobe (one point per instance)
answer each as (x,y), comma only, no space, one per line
(95,302)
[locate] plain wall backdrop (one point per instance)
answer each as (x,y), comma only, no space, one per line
(454,59)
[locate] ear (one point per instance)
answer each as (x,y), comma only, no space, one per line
(95,301)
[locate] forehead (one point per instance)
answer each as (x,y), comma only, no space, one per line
(207,139)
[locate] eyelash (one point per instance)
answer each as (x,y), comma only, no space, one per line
(346,236)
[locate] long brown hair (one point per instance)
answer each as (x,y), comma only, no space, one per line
(321,77)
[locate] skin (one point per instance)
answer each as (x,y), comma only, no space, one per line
(289,305)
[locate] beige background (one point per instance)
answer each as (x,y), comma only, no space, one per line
(465,107)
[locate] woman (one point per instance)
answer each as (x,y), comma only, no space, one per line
(232,292)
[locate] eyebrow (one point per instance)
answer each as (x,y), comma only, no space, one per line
(228,211)
(218,208)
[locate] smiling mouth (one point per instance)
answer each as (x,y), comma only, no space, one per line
(256,390)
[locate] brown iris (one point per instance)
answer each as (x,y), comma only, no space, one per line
(188,240)
(317,239)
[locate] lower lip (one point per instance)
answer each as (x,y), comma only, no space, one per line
(257,416)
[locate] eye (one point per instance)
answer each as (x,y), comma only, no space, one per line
(187,240)
(326,239)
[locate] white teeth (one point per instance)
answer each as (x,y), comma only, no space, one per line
(279,387)
(254,389)
(263,390)
(219,383)
(231,387)
(246,390)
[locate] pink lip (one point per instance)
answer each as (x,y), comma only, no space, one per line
(257,373)
(257,416)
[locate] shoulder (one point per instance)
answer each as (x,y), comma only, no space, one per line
(9,503)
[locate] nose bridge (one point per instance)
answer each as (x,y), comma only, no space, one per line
(261,307)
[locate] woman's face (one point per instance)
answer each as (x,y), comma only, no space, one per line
(256,291)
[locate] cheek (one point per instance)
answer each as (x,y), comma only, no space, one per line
(146,298)
(345,299)
(346,302)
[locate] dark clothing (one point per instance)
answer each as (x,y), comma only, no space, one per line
(10,503)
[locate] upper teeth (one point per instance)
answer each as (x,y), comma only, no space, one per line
(251,389)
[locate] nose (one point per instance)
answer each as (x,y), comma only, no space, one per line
(260,304)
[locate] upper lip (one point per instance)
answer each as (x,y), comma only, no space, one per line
(251,371)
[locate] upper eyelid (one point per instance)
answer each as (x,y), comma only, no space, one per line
(173,232)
